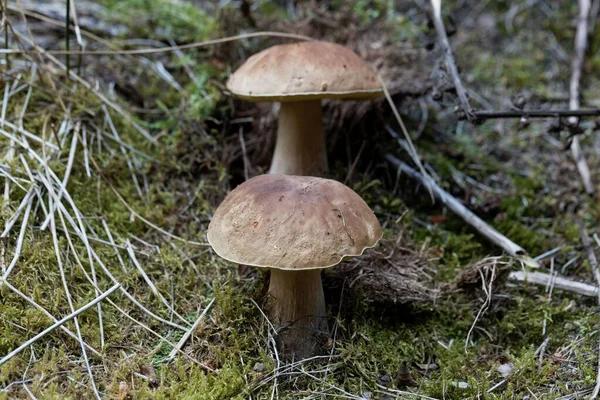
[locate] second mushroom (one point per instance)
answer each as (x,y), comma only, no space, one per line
(299,76)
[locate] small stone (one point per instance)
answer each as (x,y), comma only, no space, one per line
(259,367)
(384,379)
(460,385)
(505,369)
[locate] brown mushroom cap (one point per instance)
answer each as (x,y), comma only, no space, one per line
(292,223)
(304,71)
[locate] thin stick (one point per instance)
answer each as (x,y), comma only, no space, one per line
(450,63)
(166,49)
(459,209)
(413,151)
(68,36)
(68,169)
(50,316)
(19,246)
(5,26)
(57,324)
(560,283)
(189,333)
(499,114)
(150,283)
(135,214)
(574,94)
(91,88)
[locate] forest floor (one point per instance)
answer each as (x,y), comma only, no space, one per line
(112,174)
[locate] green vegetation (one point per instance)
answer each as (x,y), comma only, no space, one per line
(518,188)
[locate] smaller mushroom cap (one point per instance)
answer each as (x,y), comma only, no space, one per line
(304,71)
(292,223)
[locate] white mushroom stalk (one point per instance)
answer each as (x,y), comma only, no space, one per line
(300,147)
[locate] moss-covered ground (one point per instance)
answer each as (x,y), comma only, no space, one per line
(520,179)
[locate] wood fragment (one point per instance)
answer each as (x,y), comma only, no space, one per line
(500,114)
(450,63)
(581,44)
(560,283)
(467,215)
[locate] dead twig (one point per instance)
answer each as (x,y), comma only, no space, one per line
(500,114)
(560,283)
(450,63)
(467,215)
(574,92)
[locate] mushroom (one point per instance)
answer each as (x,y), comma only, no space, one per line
(295,226)
(299,76)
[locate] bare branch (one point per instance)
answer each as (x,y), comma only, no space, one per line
(450,63)
(459,209)
(560,283)
(574,92)
(496,114)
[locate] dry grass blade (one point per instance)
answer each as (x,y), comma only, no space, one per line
(487,289)
(135,214)
(189,333)
(167,48)
(92,89)
(151,284)
(19,245)
(70,301)
(65,180)
(50,316)
(57,324)
(24,203)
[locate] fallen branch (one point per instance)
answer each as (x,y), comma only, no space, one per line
(450,63)
(576,66)
(459,209)
(497,114)
(543,279)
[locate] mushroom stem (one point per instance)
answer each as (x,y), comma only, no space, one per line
(296,307)
(300,148)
